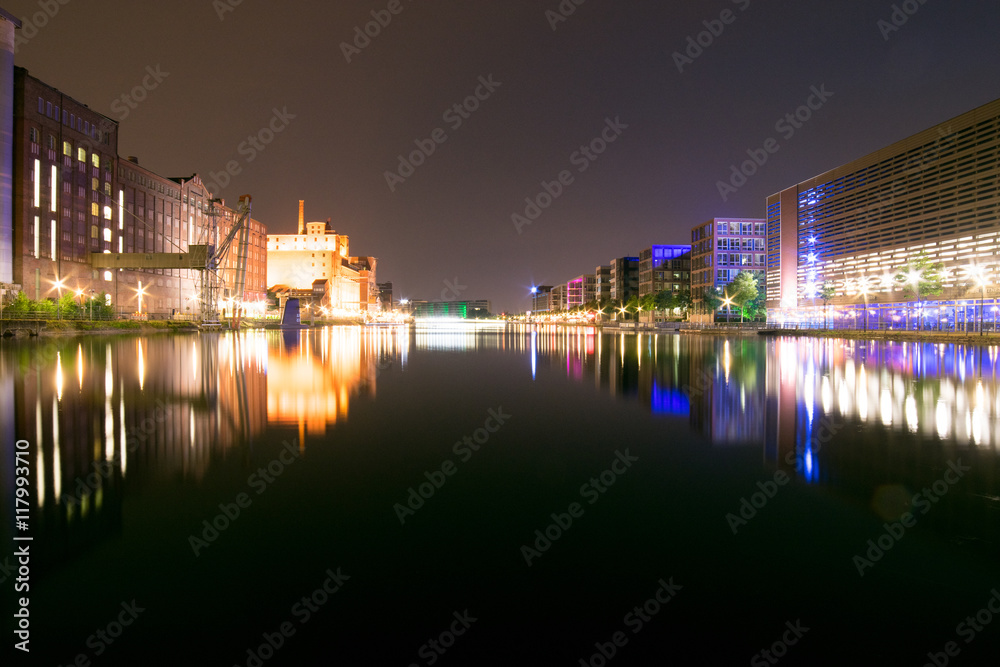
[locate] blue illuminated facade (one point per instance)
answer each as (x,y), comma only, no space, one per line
(931,198)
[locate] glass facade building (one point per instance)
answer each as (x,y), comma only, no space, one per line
(864,229)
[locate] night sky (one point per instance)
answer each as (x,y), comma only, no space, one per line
(446,230)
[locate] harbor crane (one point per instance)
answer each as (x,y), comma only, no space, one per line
(209,259)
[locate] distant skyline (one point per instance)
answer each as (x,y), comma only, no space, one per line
(486,147)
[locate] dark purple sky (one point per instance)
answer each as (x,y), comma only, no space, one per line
(447,229)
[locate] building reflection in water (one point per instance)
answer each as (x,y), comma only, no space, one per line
(105,413)
(878,421)
(717,384)
(313,374)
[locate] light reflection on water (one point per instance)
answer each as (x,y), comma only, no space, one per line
(163,407)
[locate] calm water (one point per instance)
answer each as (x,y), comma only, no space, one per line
(389,484)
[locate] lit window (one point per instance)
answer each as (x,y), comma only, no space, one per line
(67,148)
(107,297)
(107,234)
(95,209)
(95,160)
(81,154)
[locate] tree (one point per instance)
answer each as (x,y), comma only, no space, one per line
(921,278)
(683,301)
(825,293)
(742,290)
(711,299)
(632,306)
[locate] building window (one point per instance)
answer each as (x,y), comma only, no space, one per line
(48,109)
(81,154)
(95,209)
(95,160)
(41,105)
(33,135)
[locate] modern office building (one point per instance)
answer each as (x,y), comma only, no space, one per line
(541,298)
(624,278)
(557,298)
(319,253)
(721,249)
(602,284)
(580,290)
(479,308)
(933,198)
(665,267)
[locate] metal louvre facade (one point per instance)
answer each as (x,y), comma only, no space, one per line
(856,227)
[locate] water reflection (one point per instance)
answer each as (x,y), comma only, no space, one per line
(105,414)
(143,410)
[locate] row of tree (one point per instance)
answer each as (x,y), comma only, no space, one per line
(68,306)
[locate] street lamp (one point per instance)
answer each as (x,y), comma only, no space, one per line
(728,303)
(863,286)
(978,273)
(59,285)
(913,278)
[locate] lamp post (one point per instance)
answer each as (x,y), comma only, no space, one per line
(863,285)
(978,273)
(59,286)
(728,303)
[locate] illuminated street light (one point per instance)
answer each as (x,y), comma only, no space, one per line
(863,286)
(978,273)
(728,303)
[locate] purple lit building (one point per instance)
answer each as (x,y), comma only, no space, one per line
(721,249)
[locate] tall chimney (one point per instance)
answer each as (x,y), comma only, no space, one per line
(302,216)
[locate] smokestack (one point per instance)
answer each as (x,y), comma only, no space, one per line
(302,216)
